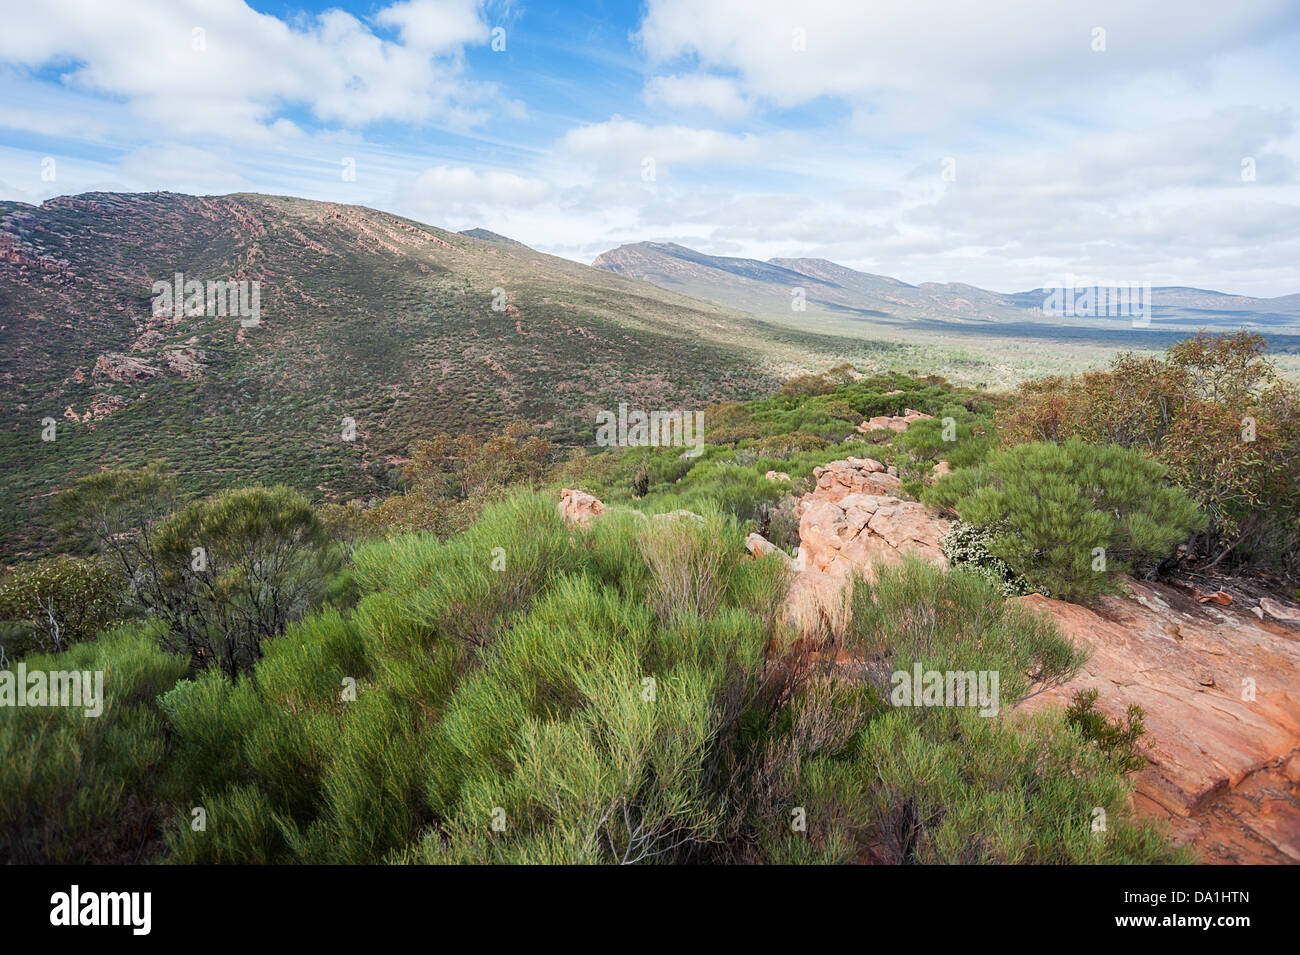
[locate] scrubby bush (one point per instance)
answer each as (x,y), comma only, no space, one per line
(876,782)
(528,691)
(77,788)
(220,574)
(968,545)
(450,478)
(47,604)
(1215,412)
(1117,740)
(1067,517)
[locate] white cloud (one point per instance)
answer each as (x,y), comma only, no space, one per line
(437,26)
(936,50)
(1112,163)
(225,71)
(621,144)
(463,184)
(716,94)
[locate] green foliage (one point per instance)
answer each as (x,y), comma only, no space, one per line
(530,692)
(221,574)
(914,613)
(1215,412)
(792,432)
(500,686)
(899,784)
(75,788)
(387,321)
(47,604)
(955,434)
(1116,740)
(1066,517)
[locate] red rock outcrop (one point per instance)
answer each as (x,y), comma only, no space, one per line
(853,533)
(852,476)
(579,507)
(760,546)
(940,471)
(187,362)
(852,519)
(1221,693)
(124,368)
(101,406)
(847,524)
(892,422)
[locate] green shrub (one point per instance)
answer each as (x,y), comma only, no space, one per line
(955,435)
(529,691)
(55,601)
(81,789)
(1215,411)
(1117,740)
(873,782)
(221,573)
(1066,517)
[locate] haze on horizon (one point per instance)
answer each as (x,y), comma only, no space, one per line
(1156,144)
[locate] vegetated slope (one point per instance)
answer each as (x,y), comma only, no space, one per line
(364,315)
(843,295)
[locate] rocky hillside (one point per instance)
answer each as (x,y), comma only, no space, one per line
(403,328)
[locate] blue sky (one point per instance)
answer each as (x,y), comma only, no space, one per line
(1008,143)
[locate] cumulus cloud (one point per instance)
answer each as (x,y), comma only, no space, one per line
(461,183)
(625,145)
(715,94)
(226,71)
(934,49)
(1000,143)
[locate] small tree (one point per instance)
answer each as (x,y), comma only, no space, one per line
(50,603)
(1215,412)
(221,574)
(240,567)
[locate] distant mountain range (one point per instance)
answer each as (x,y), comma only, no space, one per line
(830,291)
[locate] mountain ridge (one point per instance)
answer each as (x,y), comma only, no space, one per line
(754,286)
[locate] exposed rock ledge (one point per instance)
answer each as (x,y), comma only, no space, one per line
(1191,666)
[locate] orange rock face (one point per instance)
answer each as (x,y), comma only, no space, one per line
(892,422)
(852,476)
(849,523)
(851,534)
(124,368)
(852,520)
(1221,692)
(579,507)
